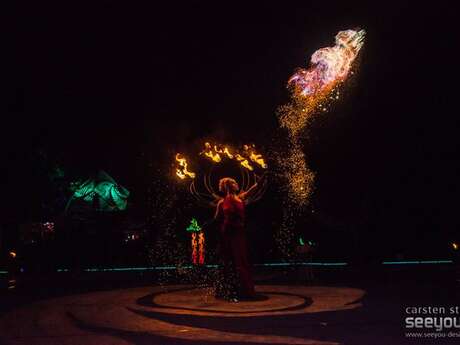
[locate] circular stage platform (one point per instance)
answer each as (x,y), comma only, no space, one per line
(203,300)
(269,300)
(180,315)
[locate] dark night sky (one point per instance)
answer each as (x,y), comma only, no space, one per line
(113,86)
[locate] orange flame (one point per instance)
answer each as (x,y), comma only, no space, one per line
(244,162)
(217,152)
(254,156)
(210,153)
(225,151)
(182,171)
(257,158)
(198,249)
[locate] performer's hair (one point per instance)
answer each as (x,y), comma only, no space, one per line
(227,184)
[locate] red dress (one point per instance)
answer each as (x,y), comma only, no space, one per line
(234,248)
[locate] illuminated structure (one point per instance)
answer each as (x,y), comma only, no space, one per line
(197,242)
(101,193)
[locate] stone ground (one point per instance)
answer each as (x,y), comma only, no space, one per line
(367,311)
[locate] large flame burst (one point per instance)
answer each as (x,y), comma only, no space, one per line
(329,65)
(311,91)
(248,159)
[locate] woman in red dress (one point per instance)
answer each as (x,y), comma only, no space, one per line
(236,281)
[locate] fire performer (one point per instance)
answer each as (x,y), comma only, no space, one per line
(236,277)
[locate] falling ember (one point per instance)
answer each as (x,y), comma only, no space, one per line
(312,90)
(182,171)
(298,176)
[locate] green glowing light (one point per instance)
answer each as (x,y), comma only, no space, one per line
(193,227)
(102,191)
(155,268)
(302,242)
(271,264)
(3,272)
(417,262)
(303,264)
(134,269)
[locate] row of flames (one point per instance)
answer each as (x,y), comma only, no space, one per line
(249,154)
(247,157)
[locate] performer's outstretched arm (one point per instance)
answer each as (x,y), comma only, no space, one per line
(245,194)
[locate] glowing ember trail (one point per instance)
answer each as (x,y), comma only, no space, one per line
(181,170)
(312,90)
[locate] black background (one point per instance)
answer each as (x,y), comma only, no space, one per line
(120,86)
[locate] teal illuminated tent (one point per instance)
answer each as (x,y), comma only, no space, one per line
(100,193)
